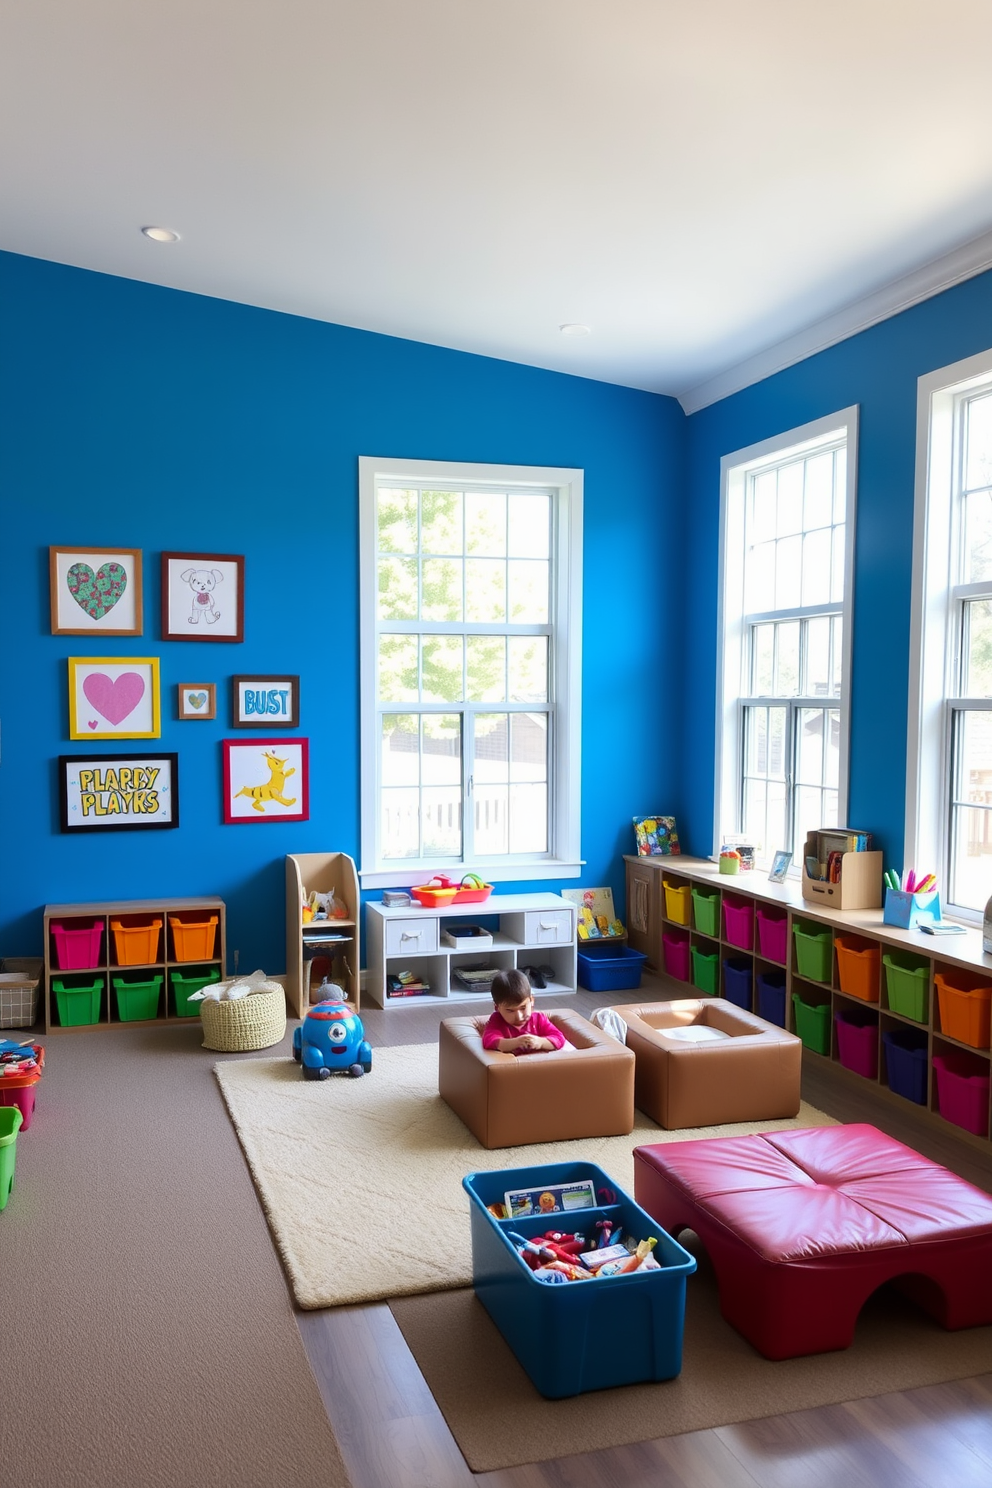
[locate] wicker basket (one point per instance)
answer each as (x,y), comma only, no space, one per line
(19,977)
(253,1022)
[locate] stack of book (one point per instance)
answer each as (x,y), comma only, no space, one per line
(407,984)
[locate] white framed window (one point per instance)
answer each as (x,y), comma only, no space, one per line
(949,757)
(784,635)
(471,667)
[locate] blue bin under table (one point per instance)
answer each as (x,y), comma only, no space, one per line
(580,1335)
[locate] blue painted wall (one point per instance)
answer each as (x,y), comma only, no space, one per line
(132,416)
(878,370)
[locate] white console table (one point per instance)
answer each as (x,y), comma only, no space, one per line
(527,930)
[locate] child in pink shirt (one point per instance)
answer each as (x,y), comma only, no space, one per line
(514,1027)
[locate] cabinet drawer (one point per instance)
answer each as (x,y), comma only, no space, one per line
(411,937)
(548,927)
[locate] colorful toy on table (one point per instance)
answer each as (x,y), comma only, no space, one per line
(331,1039)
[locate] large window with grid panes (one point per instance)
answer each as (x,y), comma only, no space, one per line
(787,509)
(949,796)
(471,657)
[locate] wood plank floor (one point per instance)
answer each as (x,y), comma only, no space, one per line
(392,1434)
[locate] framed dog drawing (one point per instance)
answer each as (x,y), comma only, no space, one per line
(203,597)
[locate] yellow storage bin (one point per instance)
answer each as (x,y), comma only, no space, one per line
(678,901)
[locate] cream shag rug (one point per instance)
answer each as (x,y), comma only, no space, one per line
(361,1180)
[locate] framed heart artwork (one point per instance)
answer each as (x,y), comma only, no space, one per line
(95,591)
(197,700)
(113,697)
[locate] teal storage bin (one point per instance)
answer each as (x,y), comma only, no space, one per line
(814,950)
(580,1335)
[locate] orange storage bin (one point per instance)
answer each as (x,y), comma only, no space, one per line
(193,936)
(964,1009)
(857,967)
(136,939)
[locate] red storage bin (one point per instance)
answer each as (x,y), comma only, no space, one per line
(773,935)
(738,923)
(857,1044)
(675,953)
(77,944)
(963,1091)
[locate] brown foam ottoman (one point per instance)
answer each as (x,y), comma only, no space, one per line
(706,1062)
(585,1089)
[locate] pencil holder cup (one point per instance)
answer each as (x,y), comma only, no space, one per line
(909,910)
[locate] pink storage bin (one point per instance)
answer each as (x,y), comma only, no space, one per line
(857,1045)
(963,1091)
(773,935)
(23,1097)
(738,924)
(675,953)
(77,944)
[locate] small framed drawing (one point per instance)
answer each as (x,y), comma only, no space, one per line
(113,697)
(266,702)
(197,700)
(203,597)
(95,591)
(780,867)
(108,792)
(266,780)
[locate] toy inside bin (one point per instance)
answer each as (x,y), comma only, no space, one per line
(193,936)
(580,1335)
(136,939)
(77,943)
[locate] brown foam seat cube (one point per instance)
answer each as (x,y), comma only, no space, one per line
(706,1062)
(585,1089)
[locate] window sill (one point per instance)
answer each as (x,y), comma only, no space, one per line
(411,875)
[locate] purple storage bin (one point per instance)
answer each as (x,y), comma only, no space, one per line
(738,923)
(963,1091)
(773,935)
(857,1044)
(675,953)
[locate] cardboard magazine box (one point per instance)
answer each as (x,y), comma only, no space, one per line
(856,882)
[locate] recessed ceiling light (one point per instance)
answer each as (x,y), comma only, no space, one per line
(573,328)
(161,234)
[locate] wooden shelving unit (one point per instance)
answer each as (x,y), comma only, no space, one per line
(659,890)
(336,940)
(104,963)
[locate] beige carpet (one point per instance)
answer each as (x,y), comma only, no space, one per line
(361,1179)
(499,1420)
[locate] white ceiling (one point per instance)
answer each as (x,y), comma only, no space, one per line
(696,182)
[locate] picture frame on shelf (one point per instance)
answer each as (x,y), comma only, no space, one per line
(781,863)
(114,697)
(266,780)
(95,591)
(203,597)
(265,702)
(116,792)
(196,700)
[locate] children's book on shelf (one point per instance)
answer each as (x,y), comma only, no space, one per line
(596,918)
(656,836)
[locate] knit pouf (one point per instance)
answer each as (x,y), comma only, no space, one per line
(253,1022)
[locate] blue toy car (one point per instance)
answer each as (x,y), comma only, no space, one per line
(331,1041)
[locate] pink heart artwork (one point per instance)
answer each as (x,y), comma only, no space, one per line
(113,698)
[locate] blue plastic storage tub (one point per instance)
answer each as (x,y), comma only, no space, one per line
(614,973)
(737,978)
(906,1063)
(580,1335)
(771,997)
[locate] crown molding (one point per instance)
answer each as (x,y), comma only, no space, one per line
(942,273)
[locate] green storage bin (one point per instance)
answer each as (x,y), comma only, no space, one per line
(814,951)
(906,984)
(812,1024)
(78,1000)
(706,911)
(185,983)
(706,971)
(10,1120)
(137,1001)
